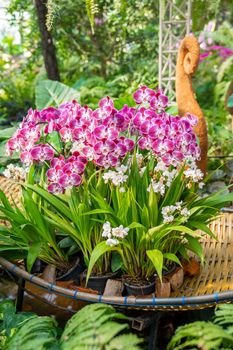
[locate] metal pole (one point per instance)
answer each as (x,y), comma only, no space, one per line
(174,24)
(189,6)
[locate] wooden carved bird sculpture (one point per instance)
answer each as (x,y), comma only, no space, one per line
(187,62)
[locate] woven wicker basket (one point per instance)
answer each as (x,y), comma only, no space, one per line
(213,285)
(11,189)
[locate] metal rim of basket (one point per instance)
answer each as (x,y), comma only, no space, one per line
(200,301)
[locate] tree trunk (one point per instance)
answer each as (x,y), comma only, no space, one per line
(48,47)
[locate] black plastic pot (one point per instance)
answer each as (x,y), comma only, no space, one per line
(74,272)
(37,267)
(170,270)
(99,282)
(146,289)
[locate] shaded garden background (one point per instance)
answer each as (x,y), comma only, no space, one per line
(108,48)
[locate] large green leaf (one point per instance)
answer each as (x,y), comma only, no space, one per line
(7,133)
(136,225)
(172,257)
(94,328)
(55,201)
(203,227)
(156,257)
(53,93)
(9,320)
(33,253)
(125,342)
(195,246)
(98,251)
(183,229)
(230,102)
(34,333)
(201,335)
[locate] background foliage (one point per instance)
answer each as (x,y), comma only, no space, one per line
(108,48)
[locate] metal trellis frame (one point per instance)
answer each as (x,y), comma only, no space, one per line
(174,24)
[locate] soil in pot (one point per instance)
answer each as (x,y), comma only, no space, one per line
(98,282)
(72,272)
(139,286)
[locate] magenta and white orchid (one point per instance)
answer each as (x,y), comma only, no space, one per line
(104,136)
(129,179)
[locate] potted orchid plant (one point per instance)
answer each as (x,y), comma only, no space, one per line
(123,181)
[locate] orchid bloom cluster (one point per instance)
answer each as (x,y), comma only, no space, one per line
(162,179)
(113,234)
(117,177)
(171,211)
(105,137)
(15,172)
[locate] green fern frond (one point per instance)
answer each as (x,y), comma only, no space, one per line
(206,335)
(200,335)
(93,328)
(92,10)
(35,333)
(224,315)
(125,342)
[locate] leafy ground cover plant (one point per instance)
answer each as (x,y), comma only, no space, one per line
(202,335)
(122,180)
(95,327)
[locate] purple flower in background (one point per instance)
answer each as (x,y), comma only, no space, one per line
(206,44)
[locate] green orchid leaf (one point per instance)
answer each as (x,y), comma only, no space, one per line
(153,208)
(116,262)
(66,242)
(172,257)
(155,229)
(156,257)
(136,225)
(203,227)
(195,246)
(99,250)
(97,211)
(33,253)
(5,201)
(183,229)
(145,216)
(55,201)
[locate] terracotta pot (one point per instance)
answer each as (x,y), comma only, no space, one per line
(99,282)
